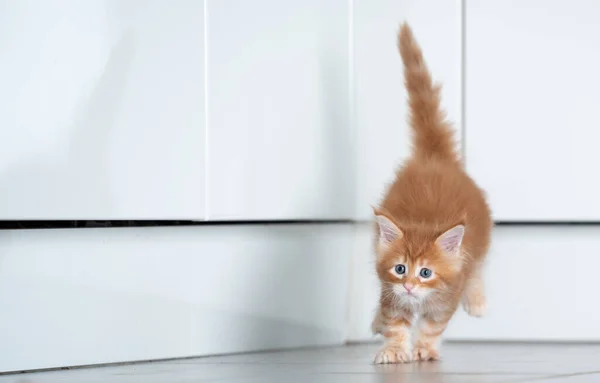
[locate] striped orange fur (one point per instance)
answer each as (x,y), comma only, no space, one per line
(433,229)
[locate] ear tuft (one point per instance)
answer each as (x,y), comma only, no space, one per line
(451,240)
(388,231)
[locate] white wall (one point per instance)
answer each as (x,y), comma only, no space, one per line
(85,296)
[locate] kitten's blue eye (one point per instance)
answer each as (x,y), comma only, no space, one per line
(400,269)
(425,273)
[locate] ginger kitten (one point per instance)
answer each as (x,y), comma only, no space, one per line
(433,229)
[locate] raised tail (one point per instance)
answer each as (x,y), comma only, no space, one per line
(433,136)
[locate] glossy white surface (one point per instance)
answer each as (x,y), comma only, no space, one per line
(305,110)
(526,300)
(380,97)
(531,107)
(462,363)
(101,109)
(85,296)
(280,137)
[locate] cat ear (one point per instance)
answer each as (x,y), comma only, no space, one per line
(451,240)
(388,231)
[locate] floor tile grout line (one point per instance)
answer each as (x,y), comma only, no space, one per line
(422,373)
(569,375)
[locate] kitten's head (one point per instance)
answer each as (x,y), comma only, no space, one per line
(413,262)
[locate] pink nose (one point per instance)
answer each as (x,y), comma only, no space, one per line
(408,286)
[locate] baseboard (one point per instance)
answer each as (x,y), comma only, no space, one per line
(90,296)
(541,286)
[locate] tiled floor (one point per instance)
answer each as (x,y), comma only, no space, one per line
(463,363)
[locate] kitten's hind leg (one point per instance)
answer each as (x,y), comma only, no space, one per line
(378,324)
(474,301)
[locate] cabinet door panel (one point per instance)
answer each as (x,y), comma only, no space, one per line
(101,109)
(278,101)
(531,112)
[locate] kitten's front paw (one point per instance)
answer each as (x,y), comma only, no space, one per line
(391,354)
(424,354)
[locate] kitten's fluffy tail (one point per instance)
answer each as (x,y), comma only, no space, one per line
(432,134)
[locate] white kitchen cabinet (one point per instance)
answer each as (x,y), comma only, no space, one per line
(102,109)
(383,136)
(532,84)
(279,134)
(90,296)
